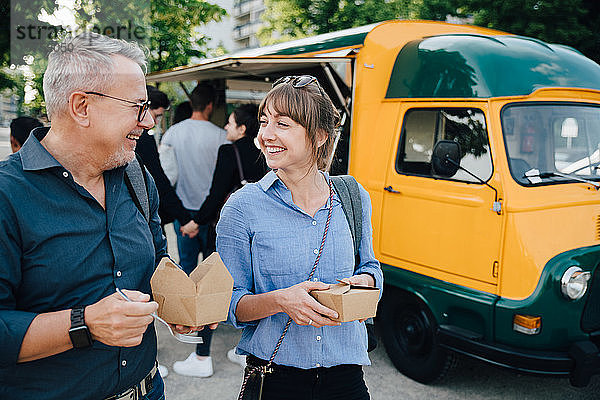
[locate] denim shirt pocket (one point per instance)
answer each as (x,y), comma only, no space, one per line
(282,254)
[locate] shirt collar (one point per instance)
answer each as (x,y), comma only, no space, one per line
(271,177)
(268,180)
(34,156)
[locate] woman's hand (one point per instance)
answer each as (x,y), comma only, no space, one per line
(190,229)
(360,280)
(296,302)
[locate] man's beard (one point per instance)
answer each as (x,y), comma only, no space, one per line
(118,159)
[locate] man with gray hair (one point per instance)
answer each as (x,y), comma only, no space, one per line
(71,234)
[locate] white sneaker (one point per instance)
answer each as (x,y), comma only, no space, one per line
(192,366)
(236,358)
(164,371)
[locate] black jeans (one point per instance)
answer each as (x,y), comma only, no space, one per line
(342,382)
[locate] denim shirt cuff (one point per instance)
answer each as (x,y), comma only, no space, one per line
(375,272)
(238,293)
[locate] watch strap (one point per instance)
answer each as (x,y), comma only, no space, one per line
(79,332)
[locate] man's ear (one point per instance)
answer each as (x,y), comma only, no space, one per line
(79,108)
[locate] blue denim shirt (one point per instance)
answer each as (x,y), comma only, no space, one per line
(59,248)
(269,243)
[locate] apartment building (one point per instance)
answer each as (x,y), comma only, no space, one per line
(247,21)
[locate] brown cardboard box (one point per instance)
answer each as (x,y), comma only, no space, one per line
(199,299)
(350,301)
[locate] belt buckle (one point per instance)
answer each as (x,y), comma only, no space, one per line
(129,394)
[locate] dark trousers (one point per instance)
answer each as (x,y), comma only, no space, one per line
(203,349)
(342,382)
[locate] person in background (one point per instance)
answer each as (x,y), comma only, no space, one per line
(19,131)
(242,128)
(287,235)
(170,206)
(194,143)
(182,111)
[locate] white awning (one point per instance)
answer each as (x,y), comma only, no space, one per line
(238,67)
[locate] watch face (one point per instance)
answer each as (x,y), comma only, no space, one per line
(80,337)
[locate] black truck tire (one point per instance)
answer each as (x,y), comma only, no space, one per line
(408,331)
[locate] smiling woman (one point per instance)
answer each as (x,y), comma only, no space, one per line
(285,236)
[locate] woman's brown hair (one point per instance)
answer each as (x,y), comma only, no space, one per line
(310,107)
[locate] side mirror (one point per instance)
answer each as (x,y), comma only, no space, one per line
(445,160)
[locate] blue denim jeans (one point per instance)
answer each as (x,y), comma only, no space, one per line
(158,389)
(190,248)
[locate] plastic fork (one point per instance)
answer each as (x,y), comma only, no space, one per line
(179,336)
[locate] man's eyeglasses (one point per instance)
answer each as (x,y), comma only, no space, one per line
(299,81)
(142,107)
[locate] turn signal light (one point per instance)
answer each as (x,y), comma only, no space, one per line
(527,324)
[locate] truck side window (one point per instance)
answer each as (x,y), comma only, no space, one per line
(424,127)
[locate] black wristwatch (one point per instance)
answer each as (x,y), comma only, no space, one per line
(79,332)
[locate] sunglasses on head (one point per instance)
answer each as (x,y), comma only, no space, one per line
(299,81)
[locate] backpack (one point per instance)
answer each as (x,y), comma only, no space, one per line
(349,194)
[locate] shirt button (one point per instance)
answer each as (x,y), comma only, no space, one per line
(318,338)
(124,362)
(314,222)
(119,274)
(316,279)
(66,174)
(317,365)
(316,251)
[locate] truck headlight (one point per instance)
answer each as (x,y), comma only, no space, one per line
(574,283)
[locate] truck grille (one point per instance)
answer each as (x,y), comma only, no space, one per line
(598,227)
(590,321)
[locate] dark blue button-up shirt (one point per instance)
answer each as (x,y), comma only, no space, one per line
(58,249)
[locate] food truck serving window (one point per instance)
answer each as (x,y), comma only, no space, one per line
(424,127)
(548,143)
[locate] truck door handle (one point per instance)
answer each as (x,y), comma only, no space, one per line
(390,189)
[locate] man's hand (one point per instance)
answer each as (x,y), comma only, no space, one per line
(117,322)
(303,308)
(184,329)
(190,229)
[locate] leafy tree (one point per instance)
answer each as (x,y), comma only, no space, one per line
(572,22)
(291,19)
(168,29)
(173,41)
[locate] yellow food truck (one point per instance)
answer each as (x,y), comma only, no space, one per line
(481,153)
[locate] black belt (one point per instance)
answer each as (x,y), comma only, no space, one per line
(139,390)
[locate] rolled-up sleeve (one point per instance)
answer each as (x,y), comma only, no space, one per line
(13,323)
(368,263)
(233,244)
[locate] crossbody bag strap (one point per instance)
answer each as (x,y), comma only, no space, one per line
(265,368)
(238,159)
(135,180)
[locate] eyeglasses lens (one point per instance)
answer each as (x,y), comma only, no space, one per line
(143,110)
